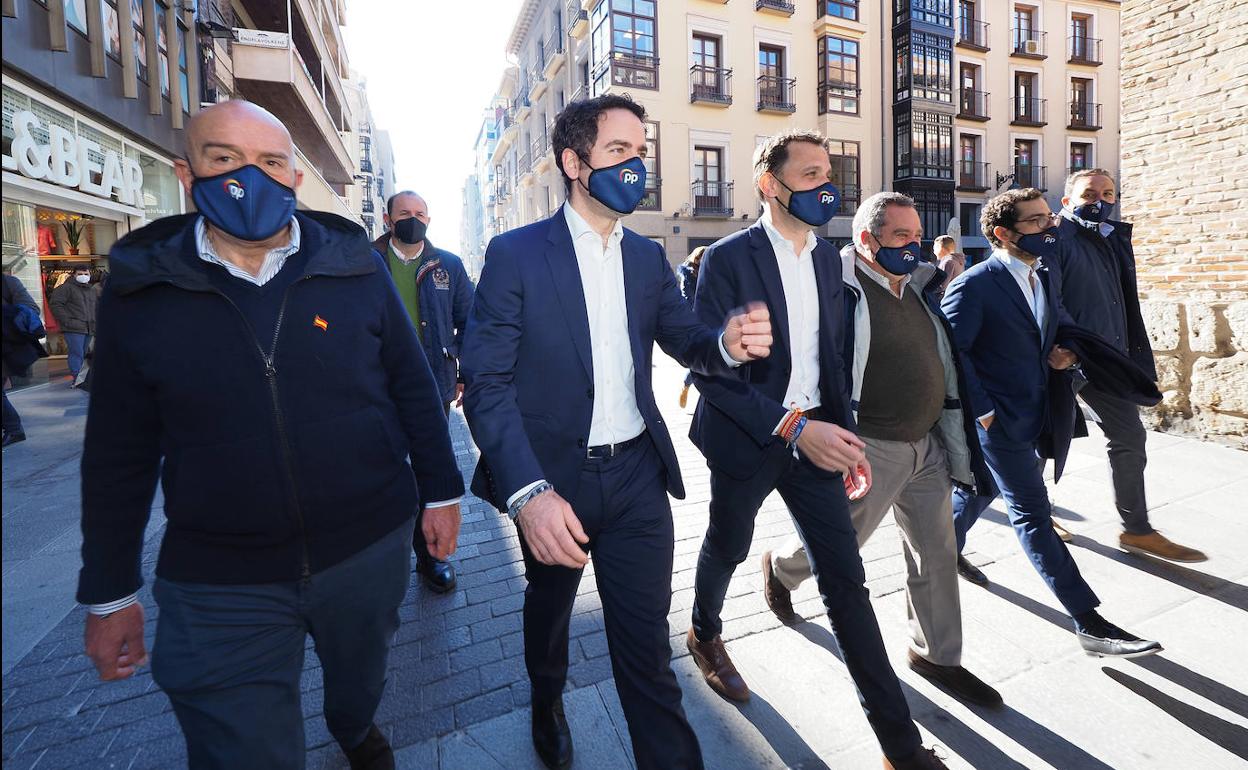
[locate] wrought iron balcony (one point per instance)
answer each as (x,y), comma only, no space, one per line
(711,199)
(775,6)
(710,85)
(1029,43)
(1027,175)
(777,94)
(1084,116)
(578,19)
(972,175)
(1083,50)
(654,199)
(973,105)
(1028,112)
(972,34)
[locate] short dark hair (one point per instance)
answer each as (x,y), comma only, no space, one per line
(1002,211)
(390,201)
(771,155)
(576,127)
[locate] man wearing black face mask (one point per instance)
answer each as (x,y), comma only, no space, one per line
(907,390)
(1005,312)
(437,294)
(1098,285)
(295,439)
(786,424)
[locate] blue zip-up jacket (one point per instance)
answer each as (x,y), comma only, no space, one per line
(278,457)
(445,293)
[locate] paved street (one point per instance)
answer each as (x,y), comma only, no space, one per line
(457,695)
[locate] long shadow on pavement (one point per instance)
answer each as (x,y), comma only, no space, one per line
(970,745)
(1228,735)
(1212,586)
(1230,699)
(793,751)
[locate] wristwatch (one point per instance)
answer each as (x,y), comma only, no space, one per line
(514,509)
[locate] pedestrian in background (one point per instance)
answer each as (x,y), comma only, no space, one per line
(950,261)
(73,306)
(22,331)
(687,276)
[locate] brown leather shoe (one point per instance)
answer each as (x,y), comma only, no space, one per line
(1157,544)
(778,597)
(717,668)
(923,759)
(962,684)
(1062,532)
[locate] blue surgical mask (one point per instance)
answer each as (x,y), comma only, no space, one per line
(814,207)
(620,187)
(1041,245)
(1096,211)
(246,202)
(898,260)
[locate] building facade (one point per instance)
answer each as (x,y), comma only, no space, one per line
(1184,166)
(950,102)
(366,198)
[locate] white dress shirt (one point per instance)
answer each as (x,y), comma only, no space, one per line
(801,298)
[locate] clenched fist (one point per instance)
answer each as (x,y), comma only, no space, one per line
(747,334)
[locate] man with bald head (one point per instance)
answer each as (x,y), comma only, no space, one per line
(437,294)
(296,437)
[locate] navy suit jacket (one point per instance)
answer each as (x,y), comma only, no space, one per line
(527,364)
(737,414)
(1005,354)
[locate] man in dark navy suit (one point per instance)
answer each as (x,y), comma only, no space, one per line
(1005,312)
(785,424)
(556,362)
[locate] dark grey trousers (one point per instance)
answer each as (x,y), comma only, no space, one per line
(1125,438)
(230,656)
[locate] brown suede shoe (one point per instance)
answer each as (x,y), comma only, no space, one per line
(778,597)
(717,668)
(923,759)
(1062,532)
(684,397)
(962,684)
(1157,544)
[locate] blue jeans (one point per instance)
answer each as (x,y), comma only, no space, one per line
(230,656)
(77,344)
(1019,474)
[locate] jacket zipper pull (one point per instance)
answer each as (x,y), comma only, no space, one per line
(270,370)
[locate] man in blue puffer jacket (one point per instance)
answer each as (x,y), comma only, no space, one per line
(258,361)
(437,295)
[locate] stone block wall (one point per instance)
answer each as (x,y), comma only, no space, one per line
(1185,187)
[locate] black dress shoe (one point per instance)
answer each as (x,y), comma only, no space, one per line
(962,684)
(373,754)
(14,437)
(439,575)
(551,737)
(1102,639)
(970,573)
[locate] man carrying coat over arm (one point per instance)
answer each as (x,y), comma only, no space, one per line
(557,366)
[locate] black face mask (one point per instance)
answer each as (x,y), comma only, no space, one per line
(410,230)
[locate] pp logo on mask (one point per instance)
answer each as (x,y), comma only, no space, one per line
(235,189)
(826,198)
(628,176)
(907,256)
(1050,239)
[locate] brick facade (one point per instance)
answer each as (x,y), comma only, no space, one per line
(1185,186)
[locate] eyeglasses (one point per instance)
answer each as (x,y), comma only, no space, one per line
(1041,221)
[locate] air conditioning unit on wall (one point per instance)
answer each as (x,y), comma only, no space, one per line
(1031,47)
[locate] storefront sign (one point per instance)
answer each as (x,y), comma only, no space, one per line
(261,38)
(67,162)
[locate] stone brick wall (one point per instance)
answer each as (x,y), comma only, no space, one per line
(1185,186)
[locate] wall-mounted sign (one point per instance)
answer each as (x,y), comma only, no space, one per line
(261,38)
(66,161)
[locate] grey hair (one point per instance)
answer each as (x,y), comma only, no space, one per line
(1084,173)
(870,213)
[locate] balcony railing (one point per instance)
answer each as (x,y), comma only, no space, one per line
(1028,112)
(366,166)
(1027,175)
(777,94)
(972,33)
(578,19)
(580,93)
(851,196)
(1083,50)
(630,70)
(1029,43)
(972,175)
(537,149)
(1085,116)
(839,98)
(366,206)
(526,161)
(778,6)
(973,105)
(710,85)
(711,199)
(653,200)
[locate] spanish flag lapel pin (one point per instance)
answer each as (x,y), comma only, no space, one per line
(320,323)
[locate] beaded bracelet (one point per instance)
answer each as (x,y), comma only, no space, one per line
(797,430)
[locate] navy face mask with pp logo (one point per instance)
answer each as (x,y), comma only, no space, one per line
(1096,211)
(814,207)
(246,202)
(898,260)
(1042,244)
(620,187)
